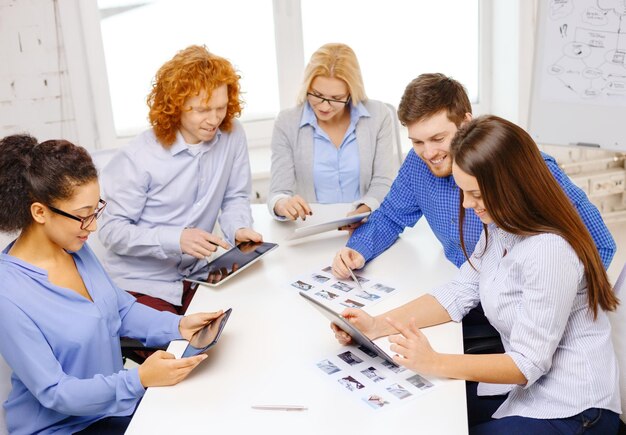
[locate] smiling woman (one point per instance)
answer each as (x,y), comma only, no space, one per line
(58,303)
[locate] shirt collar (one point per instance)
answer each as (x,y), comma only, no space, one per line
(357,111)
(180,145)
(508,239)
(30,269)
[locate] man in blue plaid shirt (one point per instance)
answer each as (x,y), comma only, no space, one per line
(432,108)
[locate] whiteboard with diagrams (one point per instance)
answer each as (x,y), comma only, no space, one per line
(579,74)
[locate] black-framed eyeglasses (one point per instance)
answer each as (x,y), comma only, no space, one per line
(84,221)
(315,99)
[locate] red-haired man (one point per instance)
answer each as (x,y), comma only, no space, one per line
(166,189)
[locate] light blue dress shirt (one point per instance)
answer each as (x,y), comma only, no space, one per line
(534,292)
(64,350)
(153,193)
(335,169)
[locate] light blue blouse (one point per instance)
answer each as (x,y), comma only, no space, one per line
(335,170)
(65,350)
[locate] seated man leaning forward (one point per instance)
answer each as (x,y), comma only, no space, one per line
(166,189)
(433,108)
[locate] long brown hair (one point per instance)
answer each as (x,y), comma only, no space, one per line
(523,197)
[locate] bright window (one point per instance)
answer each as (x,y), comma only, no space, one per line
(396,40)
(139,36)
(269,42)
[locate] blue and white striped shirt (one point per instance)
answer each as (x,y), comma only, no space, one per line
(534,293)
(416,192)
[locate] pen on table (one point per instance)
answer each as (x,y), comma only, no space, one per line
(280,407)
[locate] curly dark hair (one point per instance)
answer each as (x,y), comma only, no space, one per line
(38,172)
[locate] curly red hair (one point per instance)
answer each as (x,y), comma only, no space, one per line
(189,72)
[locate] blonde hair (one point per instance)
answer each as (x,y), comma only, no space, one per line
(338,61)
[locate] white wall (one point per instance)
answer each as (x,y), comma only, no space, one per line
(34,91)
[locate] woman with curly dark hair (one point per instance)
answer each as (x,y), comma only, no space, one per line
(61,316)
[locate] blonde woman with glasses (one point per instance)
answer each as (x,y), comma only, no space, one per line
(335,146)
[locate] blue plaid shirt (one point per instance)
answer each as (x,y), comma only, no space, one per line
(416,192)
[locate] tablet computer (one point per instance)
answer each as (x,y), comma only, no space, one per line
(207,337)
(233,261)
(341,322)
(327,226)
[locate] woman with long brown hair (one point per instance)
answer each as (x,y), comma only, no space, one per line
(542,285)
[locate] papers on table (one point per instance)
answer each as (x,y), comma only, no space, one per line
(372,380)
(339,294)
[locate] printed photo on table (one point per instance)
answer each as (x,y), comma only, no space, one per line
(350,358)
(399,391)
(328,367)
(302,285)
(352,384)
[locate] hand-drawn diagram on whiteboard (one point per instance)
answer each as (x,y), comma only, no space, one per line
(584,59)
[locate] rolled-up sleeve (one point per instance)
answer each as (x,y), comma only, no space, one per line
(550,282)
(459,296)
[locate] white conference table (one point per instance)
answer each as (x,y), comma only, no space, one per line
(268,351)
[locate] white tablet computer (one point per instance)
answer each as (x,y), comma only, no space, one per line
(356,335)
(233,261)
(327,226)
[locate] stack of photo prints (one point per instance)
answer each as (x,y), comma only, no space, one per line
(372,380)
(339,294)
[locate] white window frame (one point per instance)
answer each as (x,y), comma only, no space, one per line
(90,87)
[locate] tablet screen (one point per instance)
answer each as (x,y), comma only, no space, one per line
(234,260)
(207,337)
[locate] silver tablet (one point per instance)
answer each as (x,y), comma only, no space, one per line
(327,226)
(341,322)
(233,261)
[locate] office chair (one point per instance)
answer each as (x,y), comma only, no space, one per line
(5,389)
(134,350)
(395,126)
(479,337)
